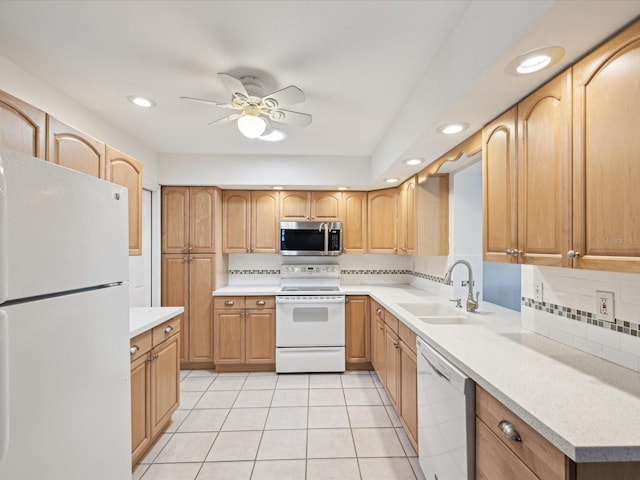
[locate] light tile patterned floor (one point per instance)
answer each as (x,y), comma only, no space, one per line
(263,426)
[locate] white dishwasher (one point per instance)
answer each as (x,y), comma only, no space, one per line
(446,418)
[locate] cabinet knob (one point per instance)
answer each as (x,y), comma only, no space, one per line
(396,345)
(378,311)
(509,251)
(573,254)
(516,252)
(168,329)
(509,431)
(134,349)
(228,302)
(185,259)
(189,249)
(260,302)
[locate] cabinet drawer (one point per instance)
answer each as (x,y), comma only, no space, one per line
(494,461)
(140,344)
(407,336)
(165,330)
(258,303)
(377,310)
(228,303)
(391,321)
(545,460)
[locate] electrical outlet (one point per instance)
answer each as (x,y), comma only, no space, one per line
(538,291)
(605,306)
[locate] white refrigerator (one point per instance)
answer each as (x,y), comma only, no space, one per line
(64,324)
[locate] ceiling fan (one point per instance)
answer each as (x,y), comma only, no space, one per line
(256,110)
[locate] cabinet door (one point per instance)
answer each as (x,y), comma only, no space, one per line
(73,149)
(236,208)
(165,378)
(260,328)
(229,336)
(382,229)
(407,217)
(392,367)
(354,222)
(202,202)
(295,206)
(402,219)
(357,333)
(432,207)
(127,171)
(544,183)
(264,221)
(494,461)
(325,206)
(606,149)
(409,392)
(175,219)
(22,127)
(175,292)
(380,351)
(140,407)
(499,189)
(201,284)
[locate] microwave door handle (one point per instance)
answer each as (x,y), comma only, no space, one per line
(326,239)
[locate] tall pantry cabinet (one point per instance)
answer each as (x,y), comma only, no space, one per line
(191,231)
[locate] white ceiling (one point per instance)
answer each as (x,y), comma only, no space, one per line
(379,76)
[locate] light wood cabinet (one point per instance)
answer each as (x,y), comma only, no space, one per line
(526,179)
(295,206)
(354,222)
(499,189)
(189,219)
(357,334)
(382,227)
(127,171)
(432,216)
(407,217)
(22,127)
(155,377)
(188,280)
(380,347)
(376,313)
(326,206)
(250,221)
(408,383)
(606,147)
(73,149)
(244,330)
(392,367)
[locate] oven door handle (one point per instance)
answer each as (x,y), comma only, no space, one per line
(311,303)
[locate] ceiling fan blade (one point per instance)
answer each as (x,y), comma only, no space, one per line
(292,118)
(209,102)
(235,86)
(228,118)
(287,96)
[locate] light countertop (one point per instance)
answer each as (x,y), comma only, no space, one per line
(587,407)
(142,319)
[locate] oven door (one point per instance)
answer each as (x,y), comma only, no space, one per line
(310,320)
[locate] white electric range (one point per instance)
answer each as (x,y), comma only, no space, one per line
(310,320)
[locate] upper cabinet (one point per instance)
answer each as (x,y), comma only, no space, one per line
(188,219)
(383,225)
(127,171)
(430,217)
(250,221)
(326,206)
(73,149)
(354,222)
(606,152)
(22,127)
(295,206)
(407,217)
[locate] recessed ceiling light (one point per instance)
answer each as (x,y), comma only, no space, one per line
(273,136)
(141,101)
(391,180)
(414,161)
(278,188)
(452,128)
(343,188)
(534,61)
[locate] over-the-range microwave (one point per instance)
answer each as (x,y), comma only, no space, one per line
(311,238)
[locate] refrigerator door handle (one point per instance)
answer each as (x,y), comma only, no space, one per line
(4,237)
(4,384)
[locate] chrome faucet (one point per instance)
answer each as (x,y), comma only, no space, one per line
(472,305)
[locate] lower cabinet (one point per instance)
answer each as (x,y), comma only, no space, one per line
(155,377)
(357,332)
(244,331)
(393,347)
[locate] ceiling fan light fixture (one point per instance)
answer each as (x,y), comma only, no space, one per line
(273,136)
(251,126)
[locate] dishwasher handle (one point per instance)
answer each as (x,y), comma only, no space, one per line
(433,367)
